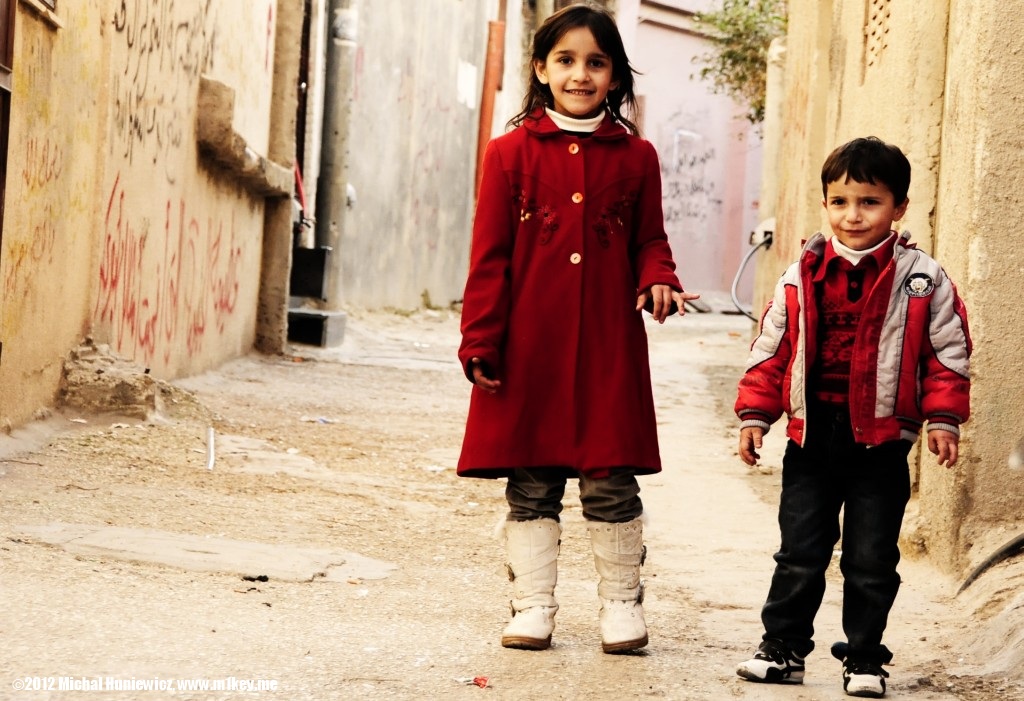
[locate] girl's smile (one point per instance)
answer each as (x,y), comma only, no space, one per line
(579,74)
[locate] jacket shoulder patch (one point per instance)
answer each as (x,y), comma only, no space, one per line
(918,285)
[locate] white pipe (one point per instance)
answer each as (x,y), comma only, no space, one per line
(209,448)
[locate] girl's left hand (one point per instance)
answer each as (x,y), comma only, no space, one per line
(662,297)
(480,378)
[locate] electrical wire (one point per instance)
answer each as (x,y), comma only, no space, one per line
(766,241)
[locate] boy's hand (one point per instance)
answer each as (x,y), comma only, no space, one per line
(480,378)
(662,297)
(945,445)
(750,441)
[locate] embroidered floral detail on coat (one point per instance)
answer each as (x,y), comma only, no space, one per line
(549,224)
(528,209)
(527,205)
(612,214)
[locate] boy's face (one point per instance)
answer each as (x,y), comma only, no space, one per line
(579,74)
(861,214)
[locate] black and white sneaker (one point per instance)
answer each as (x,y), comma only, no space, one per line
(863,678)
(773,663)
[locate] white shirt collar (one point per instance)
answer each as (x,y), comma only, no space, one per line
(853,256)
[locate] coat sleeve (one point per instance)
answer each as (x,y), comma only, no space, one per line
(759,401)
(652,257)
(946,384)
(485,304)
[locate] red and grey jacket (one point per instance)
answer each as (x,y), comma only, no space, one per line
(911,356)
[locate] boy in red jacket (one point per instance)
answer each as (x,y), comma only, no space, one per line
(865,339)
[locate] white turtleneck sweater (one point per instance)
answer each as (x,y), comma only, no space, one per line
(584,126)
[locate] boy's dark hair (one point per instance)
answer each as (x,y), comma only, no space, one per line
(869,160)
(602,25)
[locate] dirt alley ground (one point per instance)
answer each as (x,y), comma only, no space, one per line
(356,449)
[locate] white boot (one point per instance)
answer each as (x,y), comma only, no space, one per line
(532,548)
(618,553)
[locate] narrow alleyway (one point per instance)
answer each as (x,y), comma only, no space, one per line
(130,551)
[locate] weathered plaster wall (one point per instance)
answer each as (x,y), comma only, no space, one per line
(58,117)
(980,189)
(178,271)
(114,227)
(413,151)
(942,81)
(888,66)
(801,145)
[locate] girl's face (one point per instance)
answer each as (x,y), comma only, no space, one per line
(578,73)
(861,215)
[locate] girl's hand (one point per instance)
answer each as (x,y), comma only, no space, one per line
(480,378)
(662,297)
(945,445)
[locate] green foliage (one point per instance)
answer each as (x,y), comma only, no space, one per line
(742,31)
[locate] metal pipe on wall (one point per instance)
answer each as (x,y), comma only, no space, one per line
(332,192)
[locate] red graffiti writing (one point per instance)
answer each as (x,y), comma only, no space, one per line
(43,164)
(156,296)
(24,257)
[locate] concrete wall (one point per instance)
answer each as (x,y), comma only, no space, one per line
(115,226)
(941,82)
(413,151)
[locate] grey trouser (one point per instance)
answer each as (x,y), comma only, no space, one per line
(537,493)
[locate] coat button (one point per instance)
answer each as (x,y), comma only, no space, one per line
(575,258)
(574,149)
(577,197)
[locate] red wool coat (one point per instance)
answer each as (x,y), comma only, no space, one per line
(567,230)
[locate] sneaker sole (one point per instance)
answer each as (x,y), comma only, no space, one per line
(627,646)
(774,677)
(523,643)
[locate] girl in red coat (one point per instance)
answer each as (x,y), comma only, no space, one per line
(569,246)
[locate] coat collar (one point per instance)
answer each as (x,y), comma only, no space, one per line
(540,125)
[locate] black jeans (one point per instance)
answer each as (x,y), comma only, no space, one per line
(872,487)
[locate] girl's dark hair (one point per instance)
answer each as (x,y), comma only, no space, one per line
(602,25)
(869,160)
